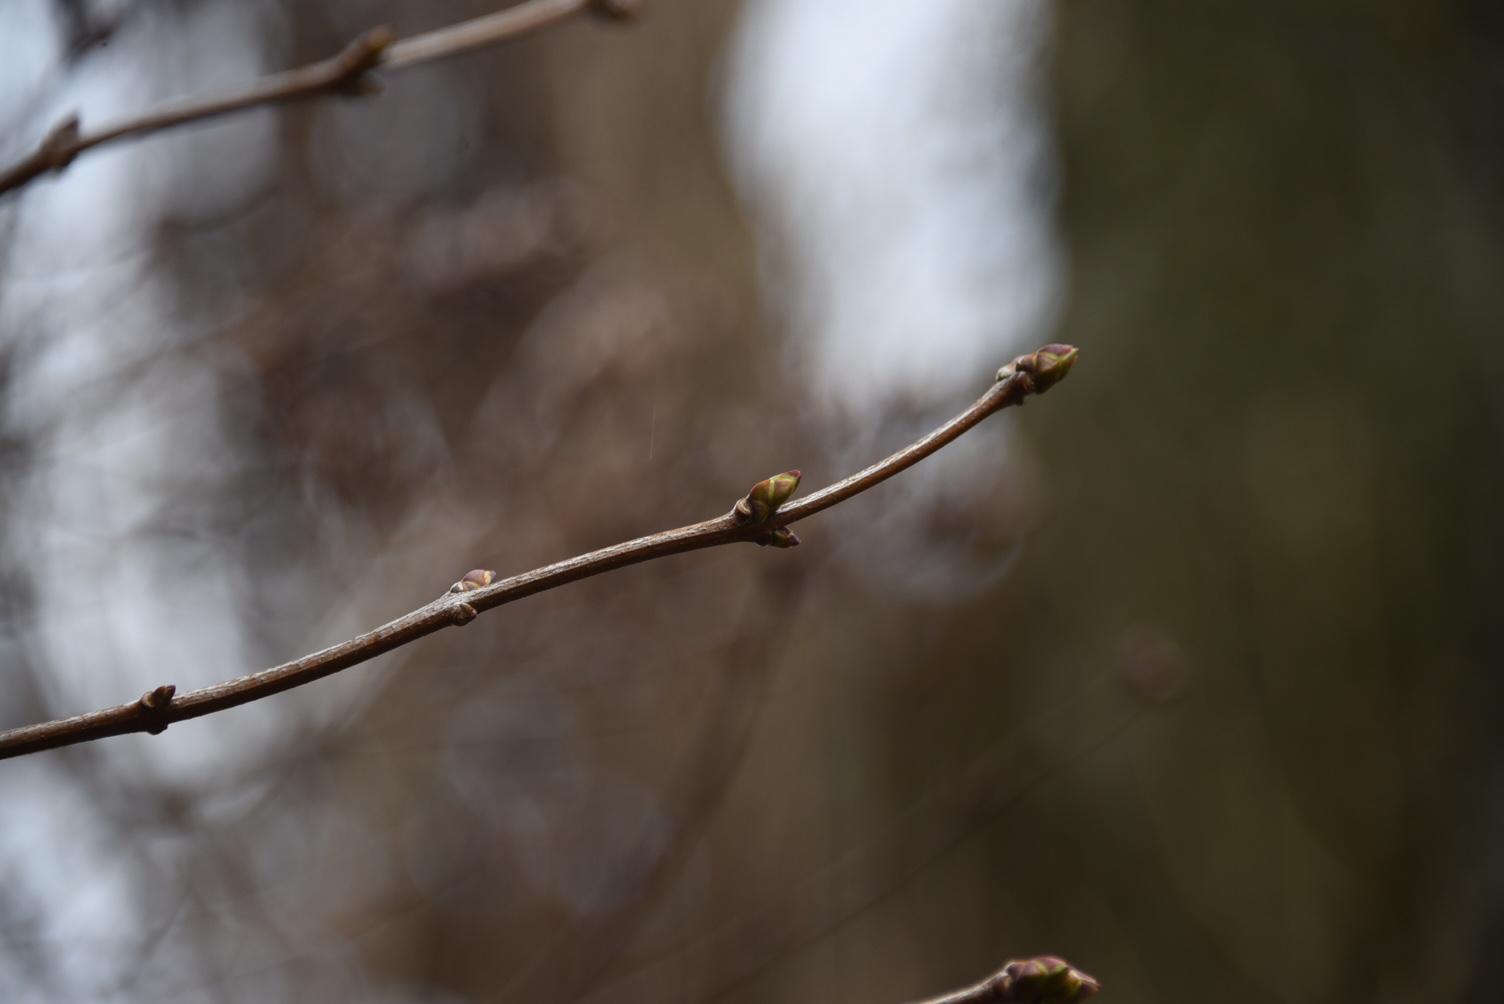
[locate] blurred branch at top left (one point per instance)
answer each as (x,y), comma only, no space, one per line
(347,73)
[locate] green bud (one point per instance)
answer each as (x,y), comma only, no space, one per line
(1044,368)
(767,495)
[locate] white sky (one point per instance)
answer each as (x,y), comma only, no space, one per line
(889,149)
(894,157)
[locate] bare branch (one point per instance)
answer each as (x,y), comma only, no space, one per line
(347,73)
(476,592)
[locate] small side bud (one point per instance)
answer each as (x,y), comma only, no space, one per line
(781,537)
(155,703)
(476,578)
(1046,979)
(767,495)
(462,614)
(160,697)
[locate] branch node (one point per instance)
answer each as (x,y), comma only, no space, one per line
(352,65)
(759,504)
(462,613)
(60,146)
(154,705)
(618,10)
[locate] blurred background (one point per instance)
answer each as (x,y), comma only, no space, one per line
(1188,672)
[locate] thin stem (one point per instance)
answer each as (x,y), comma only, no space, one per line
(479,33)
(159,708)
(1001,395)
(345,73)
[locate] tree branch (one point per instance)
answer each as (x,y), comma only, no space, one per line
(346,73)
(760,518)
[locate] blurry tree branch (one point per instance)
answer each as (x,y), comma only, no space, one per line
(347,73)
(720,961)
(571,966)
(762,517)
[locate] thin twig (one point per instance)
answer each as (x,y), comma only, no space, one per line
(346,73)
(159,708)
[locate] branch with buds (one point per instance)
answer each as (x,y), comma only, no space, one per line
(760,517)
(347,74)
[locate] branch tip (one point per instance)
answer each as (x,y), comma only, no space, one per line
(1047,979)
(1042,369)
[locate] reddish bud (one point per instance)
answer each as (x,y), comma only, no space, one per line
(782,537)
(1046,979)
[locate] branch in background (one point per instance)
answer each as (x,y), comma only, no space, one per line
(760,518)
(347,73)
(1044,980)
(571,967)
(718,958)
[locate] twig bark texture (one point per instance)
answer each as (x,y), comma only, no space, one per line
(347,73)
(155,710)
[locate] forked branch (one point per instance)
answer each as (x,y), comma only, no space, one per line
(346,73)
(762,517)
